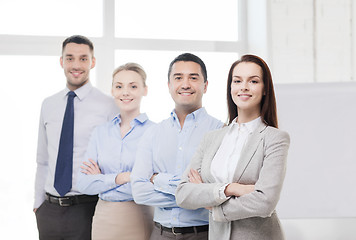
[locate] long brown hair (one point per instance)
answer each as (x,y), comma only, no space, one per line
(268,102)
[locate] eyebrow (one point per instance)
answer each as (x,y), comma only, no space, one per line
(248,77)
(71,55)
(129,82)
(190,74)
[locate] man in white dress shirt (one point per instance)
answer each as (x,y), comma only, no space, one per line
(67,214)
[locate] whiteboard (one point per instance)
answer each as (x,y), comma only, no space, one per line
(321,169)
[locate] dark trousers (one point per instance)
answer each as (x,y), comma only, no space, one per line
(158,234)
(65,223)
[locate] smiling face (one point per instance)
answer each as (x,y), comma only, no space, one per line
(247,89)
(128,89)
(76,61)
(186,86)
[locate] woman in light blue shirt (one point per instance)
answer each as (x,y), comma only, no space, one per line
(109,160)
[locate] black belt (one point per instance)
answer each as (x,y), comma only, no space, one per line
(183,230)
(71,200)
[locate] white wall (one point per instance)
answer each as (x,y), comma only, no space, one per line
(311,41)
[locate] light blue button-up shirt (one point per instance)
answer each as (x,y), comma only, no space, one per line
(166,148)
(113,155)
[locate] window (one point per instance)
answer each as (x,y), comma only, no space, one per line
(30,46)
(184,19)
(51,18)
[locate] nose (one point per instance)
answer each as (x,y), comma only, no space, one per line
(76,64)
(244,86)
(125,91)
(185,83)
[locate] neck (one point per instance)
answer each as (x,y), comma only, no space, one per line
(127,117)
(182,114)
(247,116)
(75,87)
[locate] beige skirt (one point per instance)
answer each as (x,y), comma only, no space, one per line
(122,220)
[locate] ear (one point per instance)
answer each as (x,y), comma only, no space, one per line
(146,91)
(93,62)
(206,86)
(61,61)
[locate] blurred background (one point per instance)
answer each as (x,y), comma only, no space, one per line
(308,44)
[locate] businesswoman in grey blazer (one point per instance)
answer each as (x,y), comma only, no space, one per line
(238,171)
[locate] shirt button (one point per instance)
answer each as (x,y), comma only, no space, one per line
(180,148)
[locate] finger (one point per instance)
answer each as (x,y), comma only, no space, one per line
(89,165)
(86,168)
(94,164)
(195,174)
(86,172)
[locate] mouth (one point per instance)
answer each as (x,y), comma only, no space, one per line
(76,73)
(186,93)
(126,100)
(244,96)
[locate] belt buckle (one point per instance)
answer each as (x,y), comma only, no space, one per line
(64,202)
(175,234)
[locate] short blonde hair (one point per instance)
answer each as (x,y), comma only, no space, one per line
(132,67)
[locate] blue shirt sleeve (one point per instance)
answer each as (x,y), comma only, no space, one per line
(160,194)
(98,183)
(166,183)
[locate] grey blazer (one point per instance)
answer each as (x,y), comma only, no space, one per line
(263,163)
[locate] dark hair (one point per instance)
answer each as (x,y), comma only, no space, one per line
(78,39)
(268,102)
(188,57)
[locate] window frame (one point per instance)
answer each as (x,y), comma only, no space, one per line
(106,45)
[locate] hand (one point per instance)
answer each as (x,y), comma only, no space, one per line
(34,210)
(122,178)
(91,168)
(238,190)
(194,176)
(153,176)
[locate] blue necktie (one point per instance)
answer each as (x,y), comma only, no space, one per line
(64,167)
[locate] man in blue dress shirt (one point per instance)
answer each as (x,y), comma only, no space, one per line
(165,151)
(68,214)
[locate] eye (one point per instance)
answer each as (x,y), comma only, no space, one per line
(236,81)
(254,81)
(69,59)
(84,59)
(118,86)
(133,86)
(177,78)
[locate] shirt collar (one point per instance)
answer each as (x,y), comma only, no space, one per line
(139,119)
(196,116)
(81,92)
(250,126)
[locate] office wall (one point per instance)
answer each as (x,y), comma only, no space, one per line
(314,41)
(318,197)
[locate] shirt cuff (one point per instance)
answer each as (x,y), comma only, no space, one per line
(109,180)
(222,195)
(162,183)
